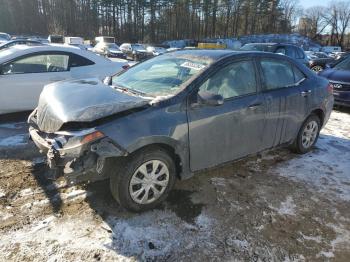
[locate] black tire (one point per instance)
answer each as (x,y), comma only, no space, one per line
(120,181)
(298,146)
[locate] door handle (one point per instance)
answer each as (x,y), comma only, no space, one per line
(305,93)
(254,106)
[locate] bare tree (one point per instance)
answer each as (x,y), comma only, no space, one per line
(319,22)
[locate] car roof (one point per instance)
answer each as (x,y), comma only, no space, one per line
(273,44)
(261,43)
(20,50)
(214,54)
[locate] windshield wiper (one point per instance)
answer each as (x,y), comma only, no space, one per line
(127,89)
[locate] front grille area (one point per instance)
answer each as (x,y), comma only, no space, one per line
(340,86)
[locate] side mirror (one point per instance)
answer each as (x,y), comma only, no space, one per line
(208,98)
(108,81)
(330,65)
(126,67)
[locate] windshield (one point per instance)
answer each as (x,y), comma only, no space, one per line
(5,36)
(5,52)
(321,55)
(138,47)
(112,45)
(257,47)
(343,65)
(160,76)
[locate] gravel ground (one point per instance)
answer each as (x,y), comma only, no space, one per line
(276,206)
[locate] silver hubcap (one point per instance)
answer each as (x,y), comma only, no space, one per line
(317,68)
(149,182)
(309,134)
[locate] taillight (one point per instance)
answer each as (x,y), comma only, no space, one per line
(330,88)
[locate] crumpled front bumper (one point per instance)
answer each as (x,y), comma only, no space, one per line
(85,162)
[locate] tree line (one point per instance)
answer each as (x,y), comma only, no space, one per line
(158,20)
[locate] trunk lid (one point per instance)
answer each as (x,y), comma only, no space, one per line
(81,101)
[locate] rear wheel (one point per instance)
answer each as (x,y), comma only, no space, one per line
(145,180)
(308,135)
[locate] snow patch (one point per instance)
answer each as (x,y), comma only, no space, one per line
(287,207)
(38,161)
(316,239)
(2,193)
(26,192)
(16,140)
(341,241)
(5,216)
(51,237)
(17,125)
(154,235)
(327,167)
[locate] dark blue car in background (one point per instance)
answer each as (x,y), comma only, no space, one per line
(339,77)
(176,114)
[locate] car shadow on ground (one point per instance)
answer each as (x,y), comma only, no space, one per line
(45,178)
(342,109)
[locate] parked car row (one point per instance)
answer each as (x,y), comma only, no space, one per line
(136,52)
(316,61)
(339,77)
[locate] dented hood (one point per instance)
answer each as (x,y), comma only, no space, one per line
(81,101)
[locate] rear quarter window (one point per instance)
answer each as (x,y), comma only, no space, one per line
(300,53)
(77,61)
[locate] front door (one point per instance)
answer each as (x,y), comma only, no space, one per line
(218,134)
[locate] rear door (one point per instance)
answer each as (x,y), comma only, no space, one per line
(22,80)
(285,104)
(218,134)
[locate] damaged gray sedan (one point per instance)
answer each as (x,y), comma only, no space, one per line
(176,114)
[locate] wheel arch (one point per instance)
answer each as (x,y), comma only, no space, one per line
(177,150)
(320,114)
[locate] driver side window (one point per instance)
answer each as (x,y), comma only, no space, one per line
(37,64)
(236,79)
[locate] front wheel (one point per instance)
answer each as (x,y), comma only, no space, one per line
(145,180)
(308,135)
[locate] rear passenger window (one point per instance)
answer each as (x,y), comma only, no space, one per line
(281,50)
(300,53)
(291,52)
(77,60)
(277,73)
(236,79)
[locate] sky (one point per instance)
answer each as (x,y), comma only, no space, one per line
(309,3)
